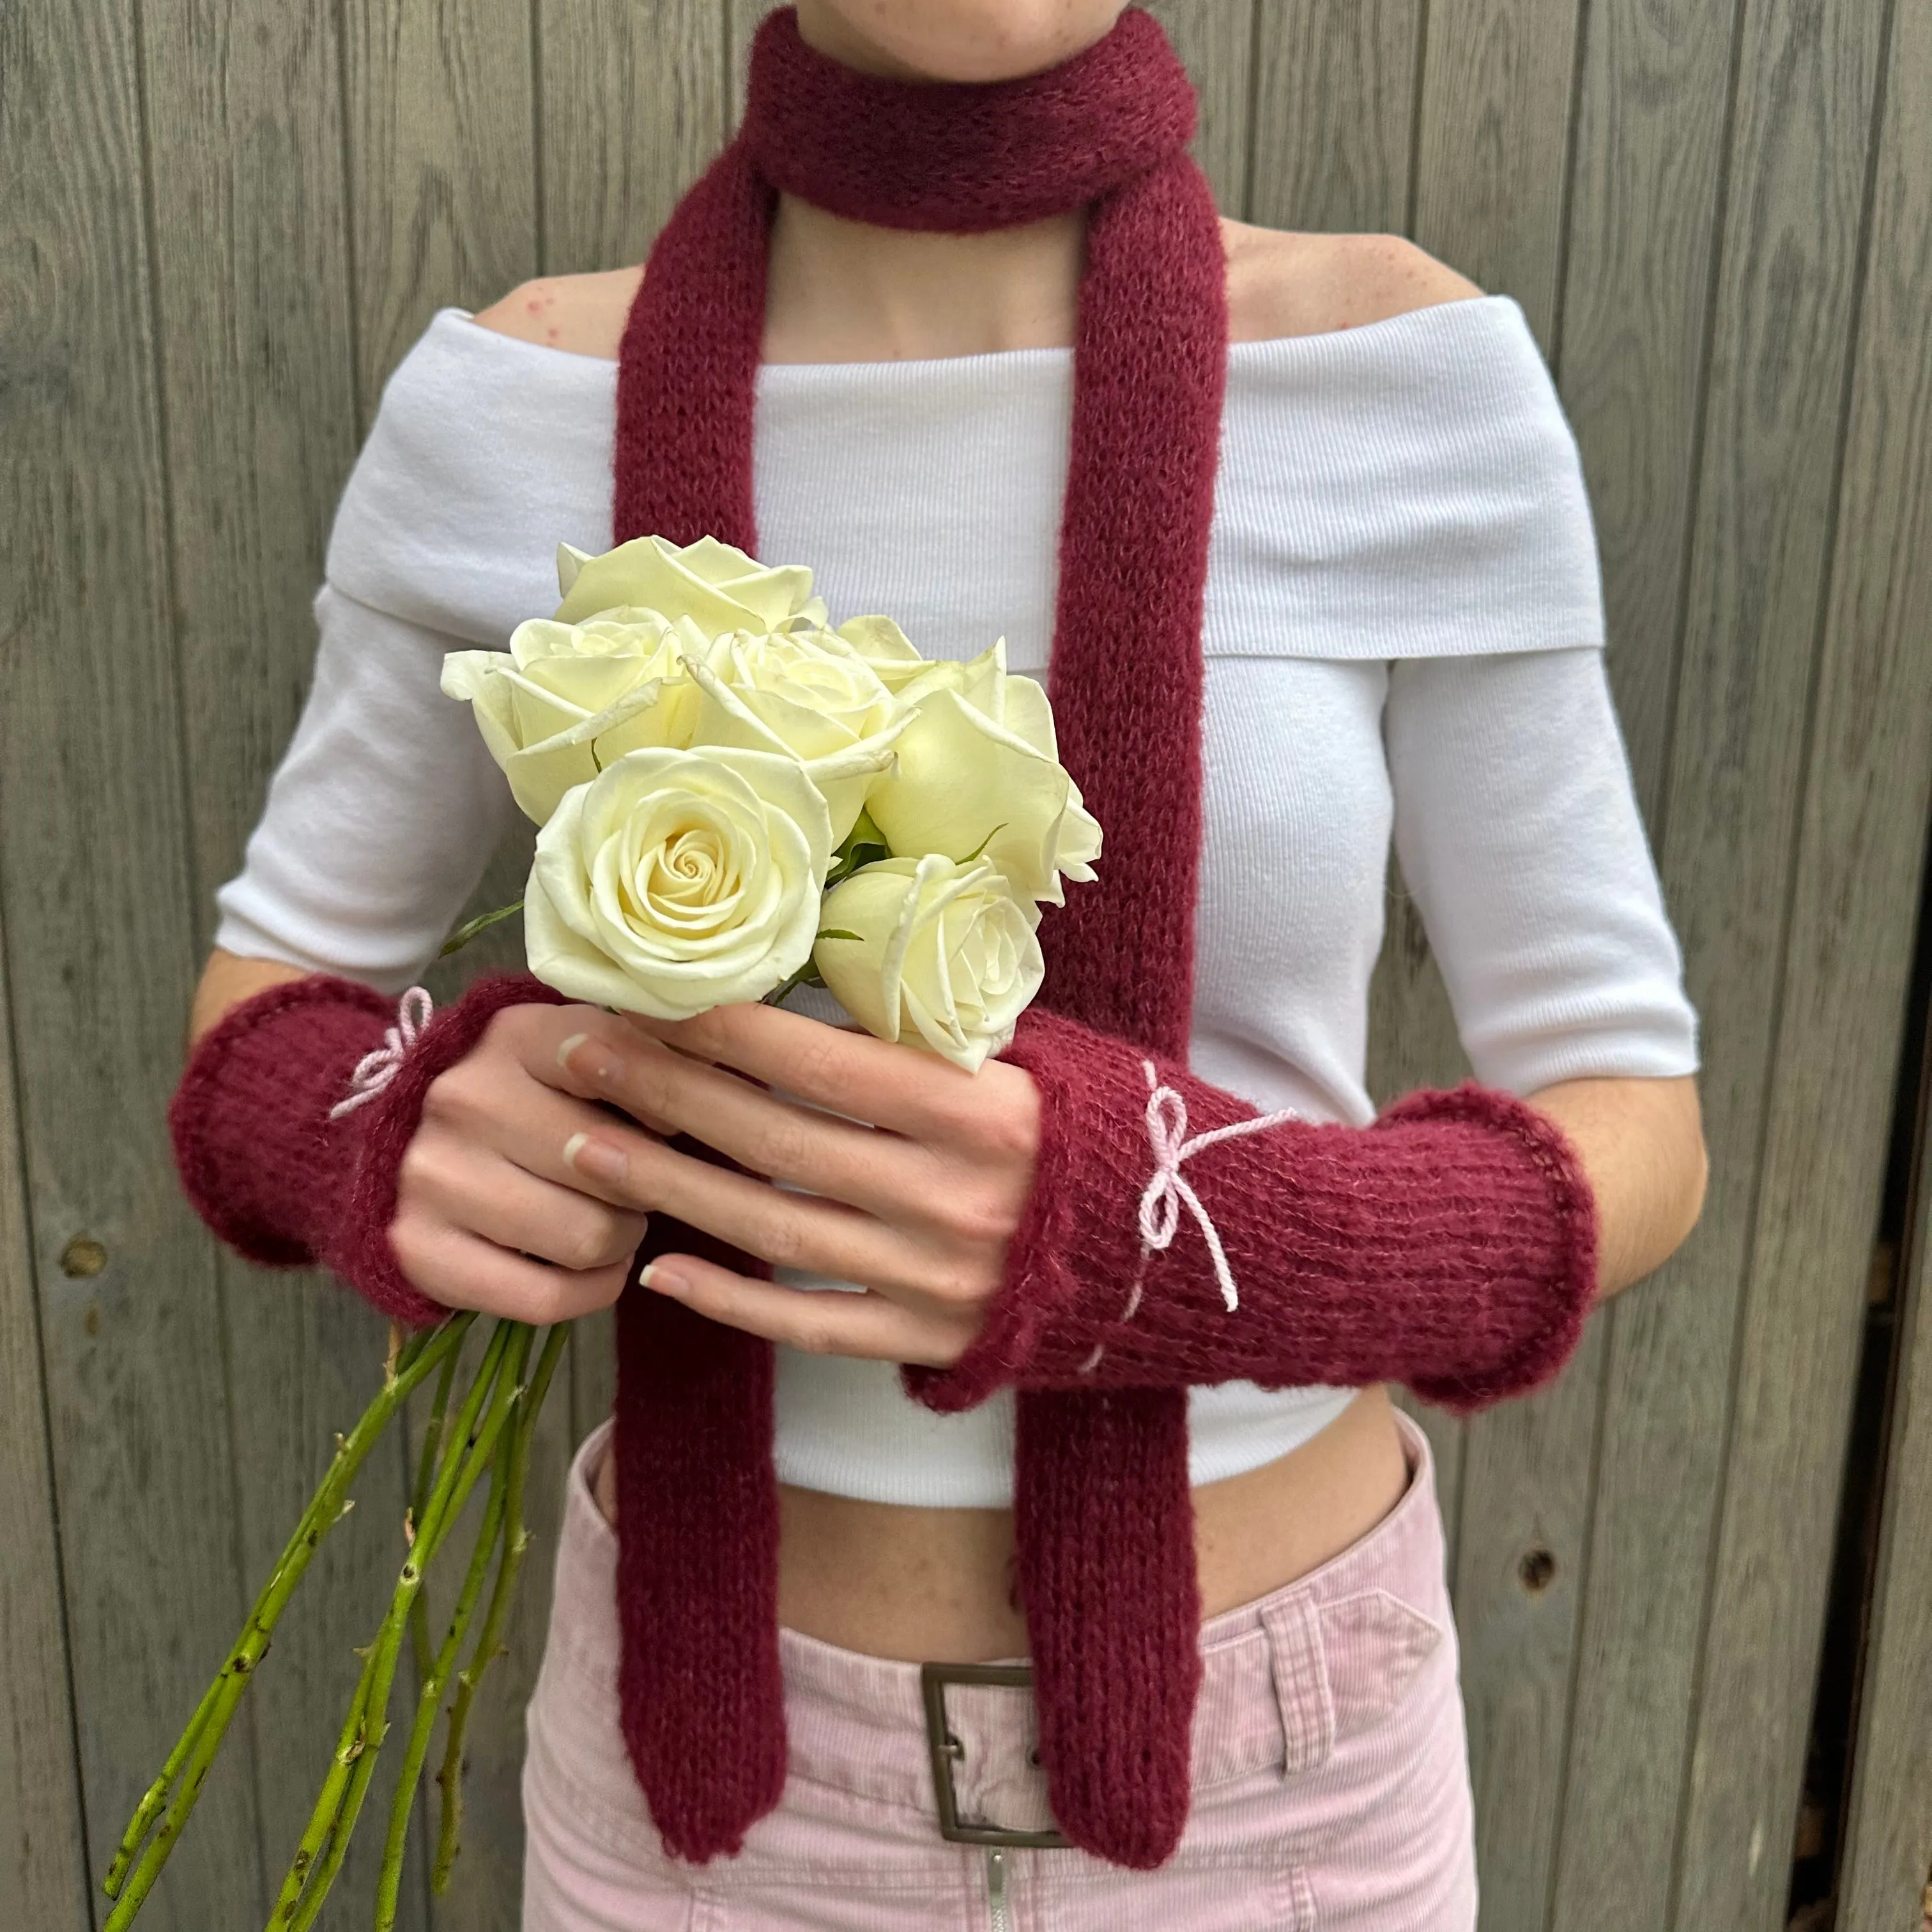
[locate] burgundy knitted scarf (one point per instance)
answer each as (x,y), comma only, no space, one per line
(1103,1515)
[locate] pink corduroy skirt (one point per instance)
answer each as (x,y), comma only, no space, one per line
(1331,1782)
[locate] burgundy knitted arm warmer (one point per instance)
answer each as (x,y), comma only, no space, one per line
(1450,1245)
(266,1168)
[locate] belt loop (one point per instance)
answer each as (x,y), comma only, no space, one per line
(1301,1689)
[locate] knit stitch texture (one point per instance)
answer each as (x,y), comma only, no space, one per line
(1105,1522)
(264,1165)
(1451,1245)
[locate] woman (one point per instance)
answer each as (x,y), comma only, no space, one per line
(1401,628)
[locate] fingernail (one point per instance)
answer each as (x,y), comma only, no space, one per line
(597,1160)
(601,1068)
(663,1278)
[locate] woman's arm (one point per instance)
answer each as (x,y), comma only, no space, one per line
(1641,1142)
(918,1194)
(227,980)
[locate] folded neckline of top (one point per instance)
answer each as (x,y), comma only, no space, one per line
(1501,307)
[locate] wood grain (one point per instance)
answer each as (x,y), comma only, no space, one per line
(1334,114)
(1850,932)
(1644,212)
(633,108)
(1651,120)
(43,1860)
(259,388)
(1884,593)
(1737,773)
(440,111)
(1214,39)
(94,840)
(1493,143)
(1493,115)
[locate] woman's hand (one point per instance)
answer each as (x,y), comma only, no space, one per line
(489,1214)
(920,1186)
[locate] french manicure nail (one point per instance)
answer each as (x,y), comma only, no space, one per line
(568,1047)
(664,1279)
(597,1160)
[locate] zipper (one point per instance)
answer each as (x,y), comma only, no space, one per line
(996,1890)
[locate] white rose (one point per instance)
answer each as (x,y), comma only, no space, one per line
(976,771)
(566,699)
(718,588)
(806,692)
(886,649)
(942,950)
(678,881)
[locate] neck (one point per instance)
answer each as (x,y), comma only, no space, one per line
(842,291)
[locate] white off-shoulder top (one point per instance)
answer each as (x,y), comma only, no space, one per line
(1404,637)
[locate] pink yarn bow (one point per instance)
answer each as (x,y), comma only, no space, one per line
(374,1071)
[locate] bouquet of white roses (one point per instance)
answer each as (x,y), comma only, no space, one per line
(733,799)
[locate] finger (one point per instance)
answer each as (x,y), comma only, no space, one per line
(787,1229)
(509,1111)
(472,1188)
(463,1271)
(863,1166)
(913,1093)
(542,1038)
(821,1321)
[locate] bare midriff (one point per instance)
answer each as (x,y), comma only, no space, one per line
(934,1585)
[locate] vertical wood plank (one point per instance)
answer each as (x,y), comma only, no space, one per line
(440,109)
(43,1861)
(1334,114)
(1492,153)
(1635,316)
(99,938)
(1215,39)
(1888,1860)
(260,388)
(1864,800)
(633,102)
(1644,210)
(1493,121)
(1736,775)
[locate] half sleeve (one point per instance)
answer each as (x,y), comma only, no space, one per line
(1517,830)
(380,818)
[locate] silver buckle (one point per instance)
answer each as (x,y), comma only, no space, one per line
(946,1749)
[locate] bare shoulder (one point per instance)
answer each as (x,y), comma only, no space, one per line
(1282,283)
(584,314)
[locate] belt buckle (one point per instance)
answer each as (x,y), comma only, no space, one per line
(947,1749)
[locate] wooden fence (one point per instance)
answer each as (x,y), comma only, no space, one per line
(223,222)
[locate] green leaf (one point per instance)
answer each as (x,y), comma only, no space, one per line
(854,859)
(978,850)
(863,832)
(463,934)
(807,975)
(832,932)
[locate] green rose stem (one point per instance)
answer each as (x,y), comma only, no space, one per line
(419,1501)
(489,1644)
(194,1752)
(430,1695)
(472,1446)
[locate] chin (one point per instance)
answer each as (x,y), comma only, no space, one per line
(955,40)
